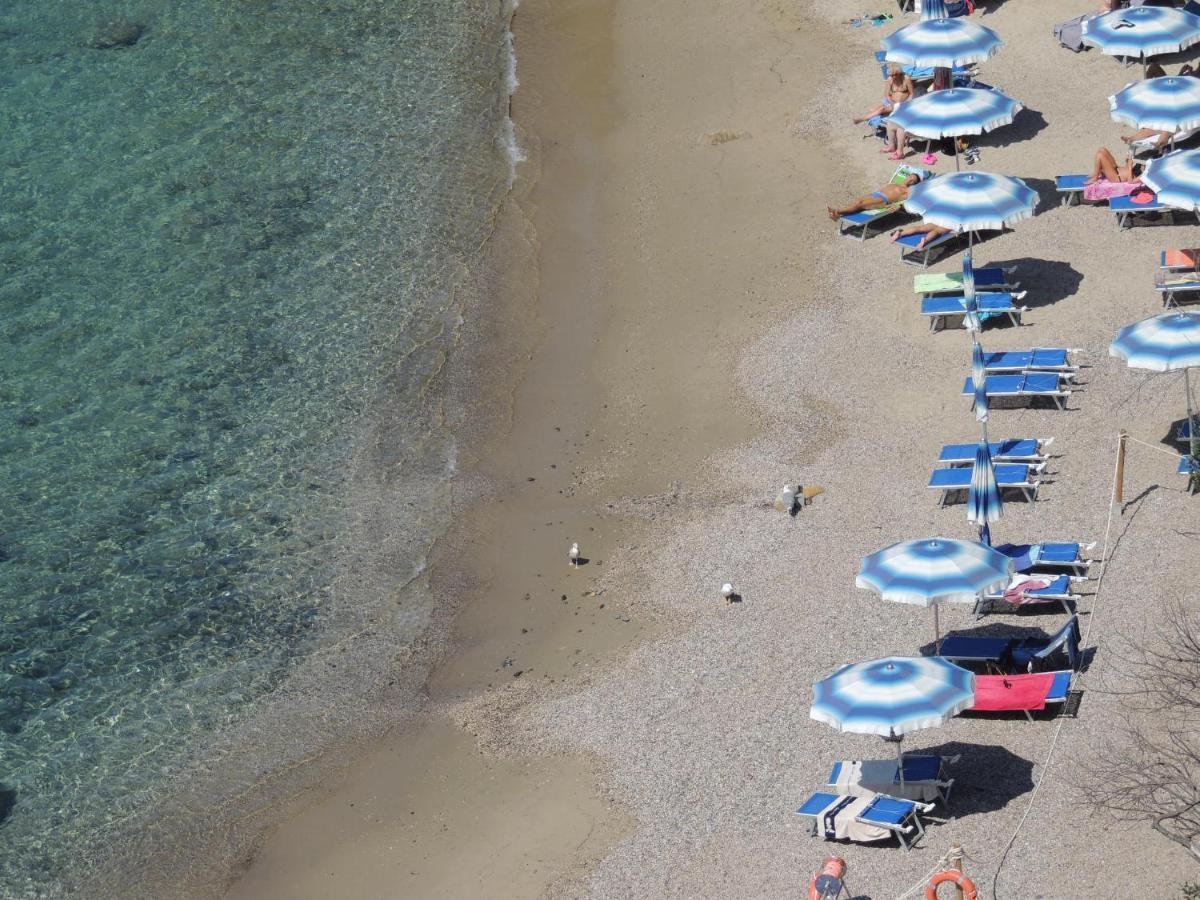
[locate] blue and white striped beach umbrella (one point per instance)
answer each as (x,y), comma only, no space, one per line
(1164,104)
(941,42)
(979,400)
(972,201)
(933,9)
(983,497)
(893,696)
(1142,31)
(973,322)
(933,571)
(1175,178)
(956,111)
(1163,343)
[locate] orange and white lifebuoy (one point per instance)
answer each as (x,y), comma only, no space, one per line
(828,879)
(955,877)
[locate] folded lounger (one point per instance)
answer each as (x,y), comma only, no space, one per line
(1012,475)
(1027,450)
(1026,693)
(1043,359)
(1070,187)
(1127,210)
(1026,385)
(1184,432)
(1054,556)
(1013,654)
(920,256)
(996,303)
(925,778)
(1172,284)
(1057,590)
(992,278)
(865,219)
(866,819)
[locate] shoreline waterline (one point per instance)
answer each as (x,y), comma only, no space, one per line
(169,767)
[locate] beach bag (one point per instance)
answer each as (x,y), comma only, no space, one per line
(1070,32)
(957,8)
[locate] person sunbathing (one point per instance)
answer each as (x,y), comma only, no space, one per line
(888,195)
(1161,137)
(897,88)
(931,232)
(1110,179)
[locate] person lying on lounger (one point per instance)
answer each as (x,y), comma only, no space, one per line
(1160,137)
(1111,179)
(897,88)
(887,195)
(930,232)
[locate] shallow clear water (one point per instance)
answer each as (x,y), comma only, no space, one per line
(218,243)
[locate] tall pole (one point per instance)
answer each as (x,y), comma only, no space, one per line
(1119,488)
(1193,440)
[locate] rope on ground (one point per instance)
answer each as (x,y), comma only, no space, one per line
(920,885)
(1104,559)
(1002,856)
(1170,453)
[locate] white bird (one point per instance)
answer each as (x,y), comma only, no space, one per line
(786,501)
(573,555)
(727,591)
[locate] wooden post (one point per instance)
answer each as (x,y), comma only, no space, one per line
(1119,487)
(956,862)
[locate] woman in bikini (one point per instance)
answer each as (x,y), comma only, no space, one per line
(887,195)
(1110,179)
(897,88)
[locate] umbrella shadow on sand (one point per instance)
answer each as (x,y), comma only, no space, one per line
(987,777)
(1048,281)
(1026,125)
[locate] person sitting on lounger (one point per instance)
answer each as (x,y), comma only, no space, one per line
(930,232)
(887,195)
(1110,179)
(897,88)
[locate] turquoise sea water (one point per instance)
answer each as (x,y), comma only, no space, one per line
(220,240)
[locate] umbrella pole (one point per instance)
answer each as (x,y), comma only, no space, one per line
(937,631)
(900,758)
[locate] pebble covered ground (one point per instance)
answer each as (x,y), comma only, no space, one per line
(705,732)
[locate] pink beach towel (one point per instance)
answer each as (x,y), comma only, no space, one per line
(1106,190)
(1018,595)
(1012,693)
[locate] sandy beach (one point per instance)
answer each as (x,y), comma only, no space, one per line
(679,333)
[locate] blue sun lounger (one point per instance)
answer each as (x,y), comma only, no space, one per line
(1127,211)
(925,774)
(1070,187)
(997,303)
(915,255)
(1055,556)
(1045,359)
(1028,385)
(1188,467)
(958,480)
(1013,654)
(1180,260)
(1028,450)
(1057,591)
(1171,284)
(992,278)
(896,816)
